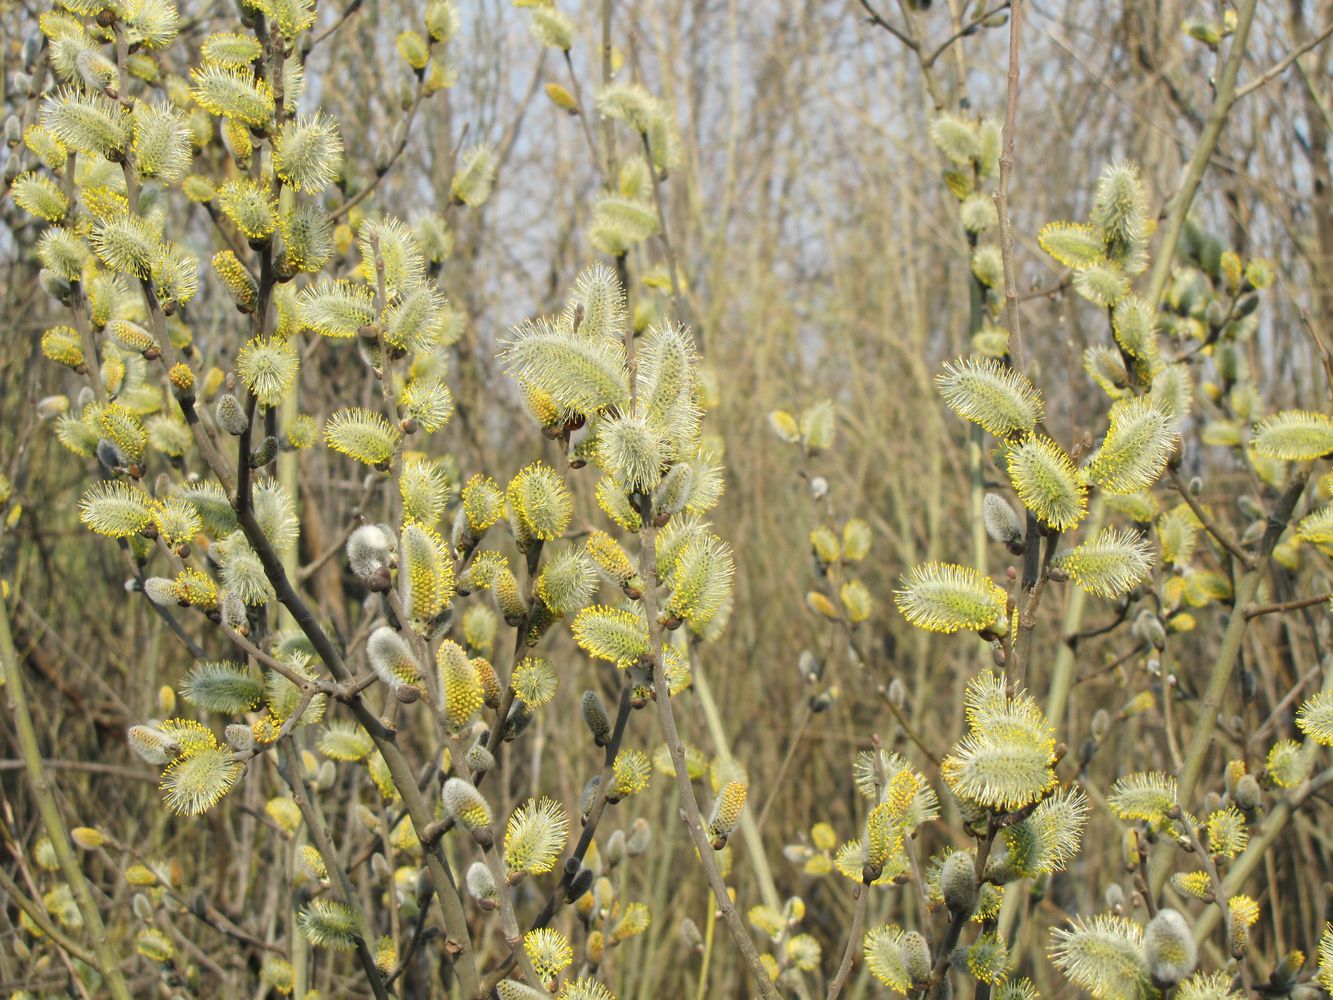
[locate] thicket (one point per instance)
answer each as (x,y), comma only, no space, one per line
(414,452)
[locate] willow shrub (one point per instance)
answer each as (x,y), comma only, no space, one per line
(467,574)
(1111,515)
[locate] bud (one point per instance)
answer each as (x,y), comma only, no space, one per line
(809,666)
(160,591)
(561,98)
(143,907)
(1287,968)
(481,883)
(640,838)
(87,837)
(1149,628)
(441,20)
(916,956)
(233,613)
(726,813)
(508,601)
(153,745)
(239,736)
(1129,850)
(1101,722)
(897,693)
(56,286)
(370,553)
(579,885)
(689,930)
(392,660)
(1002,523)
(594,714)
(49,407)
(265,453)
(673,492)
(1247,793)
(466,805)
(823,701)
(1086,751)
(614,851)
(479,759)
(958,883)
(589,793)
(826,546)
(110,456)
(1168,948)
(491,691)
(517,721)
(463,538)
(230,416)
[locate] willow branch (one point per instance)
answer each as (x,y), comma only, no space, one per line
(1181,201)
(291,773)
(853,939)
(1282,65)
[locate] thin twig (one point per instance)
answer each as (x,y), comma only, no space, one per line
(1207,520)
(967,29)
(1255,610)
(853,940)
(1282,65)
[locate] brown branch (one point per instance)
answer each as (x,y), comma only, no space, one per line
(1255,610)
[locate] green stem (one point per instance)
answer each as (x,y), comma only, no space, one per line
(1219,678)
(1224,98)
(694,821)
(754,843)
(291,771)
(709,926)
